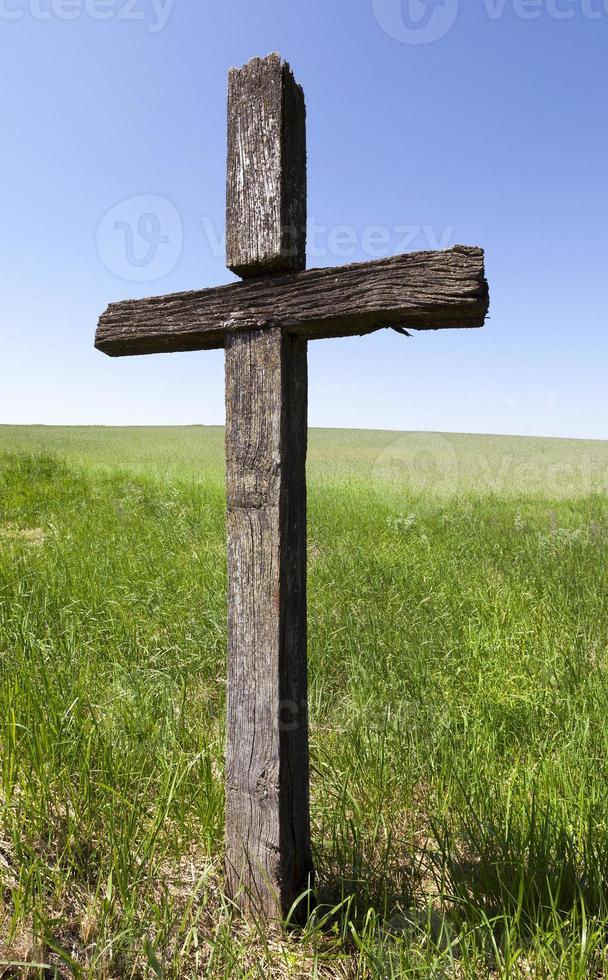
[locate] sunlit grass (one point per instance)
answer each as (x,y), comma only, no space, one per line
(458,690)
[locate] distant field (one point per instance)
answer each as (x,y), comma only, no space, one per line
(458,690)
(429,462)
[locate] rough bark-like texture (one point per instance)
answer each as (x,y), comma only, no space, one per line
(266,186)
(420,290)
(268,856)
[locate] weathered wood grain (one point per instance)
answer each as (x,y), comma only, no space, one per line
(268,856)
(420,290)
(266,184)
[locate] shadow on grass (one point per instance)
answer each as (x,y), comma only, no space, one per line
(494,889)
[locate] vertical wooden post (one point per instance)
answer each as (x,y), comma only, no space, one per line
(266,172)
(267,814)
(268,854)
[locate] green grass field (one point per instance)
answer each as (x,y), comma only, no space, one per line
(459,708)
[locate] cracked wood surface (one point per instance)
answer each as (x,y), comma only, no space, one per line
(266,183)
(419,290)
(268,856)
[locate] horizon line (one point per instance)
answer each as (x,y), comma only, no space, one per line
(331,428)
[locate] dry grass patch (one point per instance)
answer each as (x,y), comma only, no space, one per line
(34,536)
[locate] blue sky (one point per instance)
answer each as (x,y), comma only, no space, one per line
(429,124)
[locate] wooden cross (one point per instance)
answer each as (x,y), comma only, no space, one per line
(264,324)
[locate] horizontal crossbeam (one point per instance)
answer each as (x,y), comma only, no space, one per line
(420,290)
